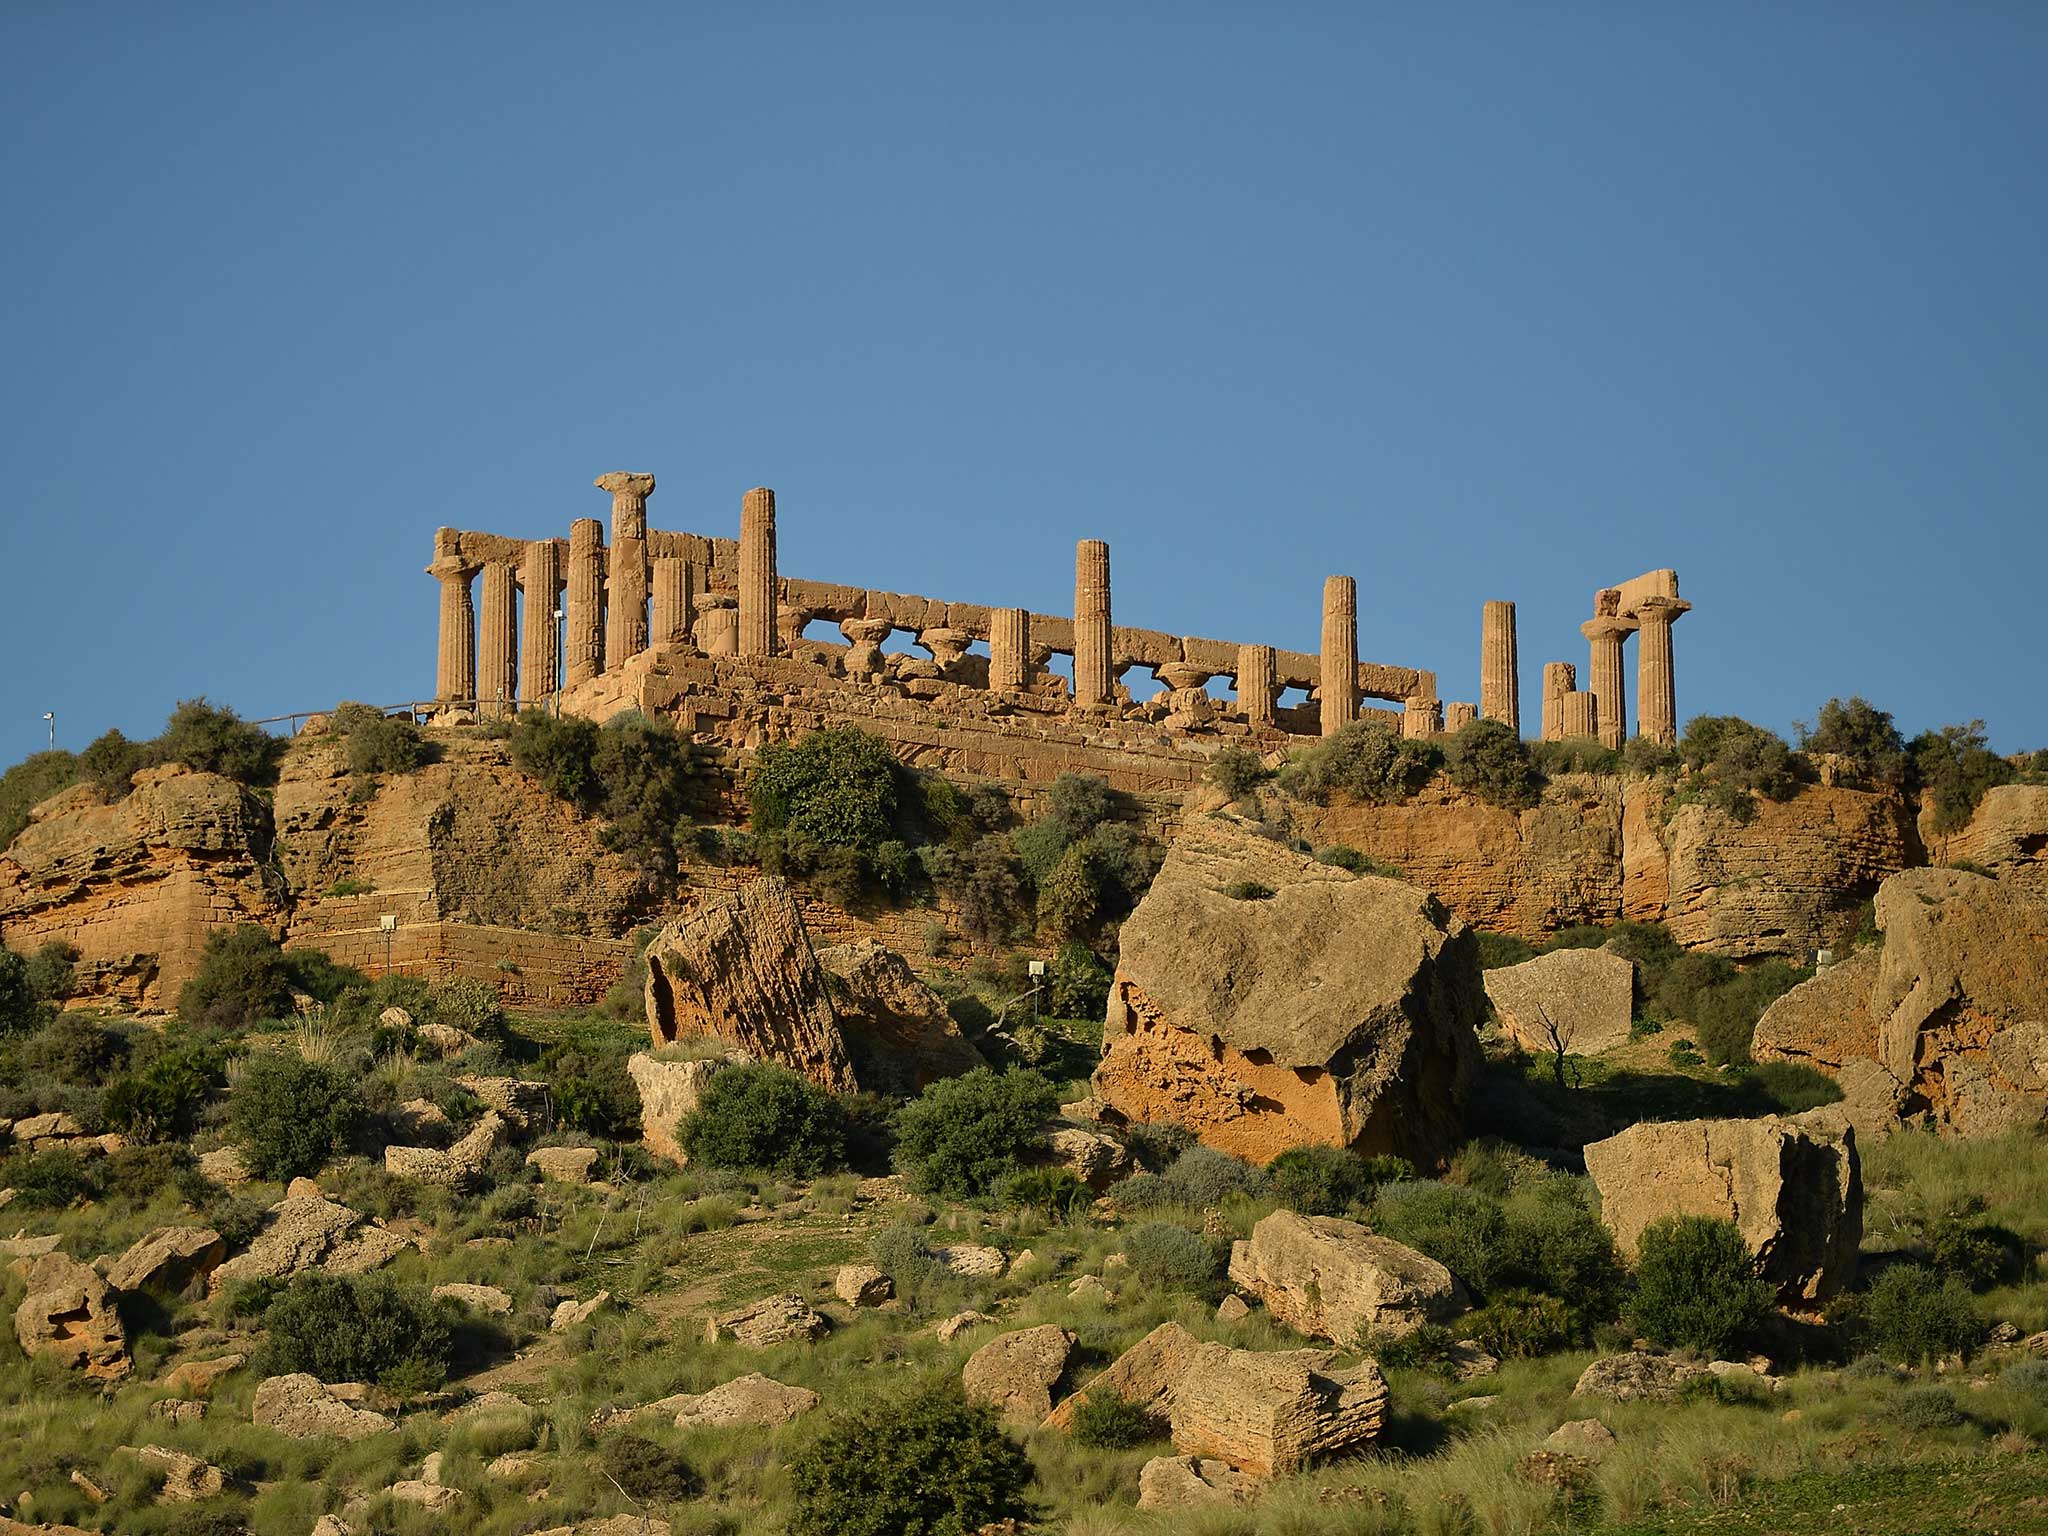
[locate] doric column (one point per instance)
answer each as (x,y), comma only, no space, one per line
(757,573)
(1656,687)
(1578,714)
(1500,688)
(1605,636)
(1257,683)
(1009,649)
(455,668)
(1458,714)
(497,652)
(1422,715)
(1338,686)
(625,634)
(1559,679)
(864,637)
(585,606)
(1094,683)
(671,623)
(540,636)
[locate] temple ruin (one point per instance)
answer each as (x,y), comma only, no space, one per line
(707,631)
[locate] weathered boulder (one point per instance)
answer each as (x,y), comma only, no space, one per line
(168,1260)
(1794,1187)
(568,1313)
(69,1316)
(308,1232)
(302,1407)
(225,1167)
(1340,1009)
(1586,1438)
(1269,1413)
(1143,1375)
(971,1261)
(1638,1377)
(1016,1372)
(521,1103)
(949,1329)
(898,1033)
(197,1378)
(421,1123)
(565,1165)
(186,1479)
(739,968)
(1585,996)
(1095,1156)
(753,1399)
(1190,1482)
(777,1319)
(862,1285)
(478,1298)
(1334,1279)
(453,1167)
(669,1090)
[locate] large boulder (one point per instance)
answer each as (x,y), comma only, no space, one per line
(1143,1375)
(302,1407)
(307,1232)
(69,1316)
(1578,1000)
(1638,1376)
(1794,1187)
(1016,1372)
(669,1090)
(1268,1414)
(896,1028)
(739,968)
(1191,1482)
(168,1260)
(779,1319)
(1333,1279)
(754,1400)
(1338,1009)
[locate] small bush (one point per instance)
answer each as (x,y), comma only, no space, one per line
(1069,900)
(1914,1315)
(838,789)
(927,1462)
(359,1328)
(209,739)
(1519,1325)
(1319,1180)
(593,1091)
(1428,1347)
(962,1135)
(1487,758)
(1235,770)
(1368,760)
(1203,1176)
(1697,1286)
(52,973)
(28,784)
(1554,1243)
(765,1116)
(1462,1229)
(647,1469)
(1861,733)
(1955,767)
(2028,1379)
(49,1180)
(1139,1192)
(1248,890)
(1171,1258)
(560,751)
(1340,856)
(20,1009)
(1925,1407)
(1981,1254)
(901,1253)
(165,1097)
(1726,1014)
(1053,1193)
(242,977)
(1500,949)
(1107,1422)
(1080,983)
(289,1115)
(1795,1087)
(1735,762)
(373,742)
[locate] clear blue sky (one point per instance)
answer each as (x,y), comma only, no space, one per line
(1469,300)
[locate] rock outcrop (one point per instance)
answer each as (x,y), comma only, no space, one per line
(897,1030)
(1016,1372)
(1580,1000)
(739,969)
(2007,835)
(452,1167)
(1333,1279)
(1794,1188)
(69,1316)
(1191,1482)
(1638,1377)
(1339,1009)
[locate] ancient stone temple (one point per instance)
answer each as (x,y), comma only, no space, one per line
(709,632)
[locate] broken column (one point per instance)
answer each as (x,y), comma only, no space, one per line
(1656,687)
(1500,687)
(1422,715)
(1009,649)
(1094,683)
(540,575)
(671,622)
(497,659)
(758,597)
(717,630)
(626,595)
(1458,714)
(1257,683)
(1605,632)
(1578,715)
(1338,685)
(455,668)
(585,605)
(1559,679)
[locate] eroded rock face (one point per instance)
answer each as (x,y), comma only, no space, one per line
(1587,996)
(777,1319)
(1336,1280)
(302,1407)
(1268,1414)
(1016,1372)
(69,1316)
(669,1090)
(1338,1010)
(898,1033)
(739,968)
(2008,835)
(1793,1187)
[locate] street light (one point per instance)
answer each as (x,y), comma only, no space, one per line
(51,716)
(389,923)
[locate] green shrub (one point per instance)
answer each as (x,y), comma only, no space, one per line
(987,884)
(839,788)
(1577,754)
(1462,1229)
(1340,856)
(927,1462)
(1519,1325)
(560,751)
(1981,1254)
(964,1134)
(901,1253)
(20,1009)
(1069,900)
(1166,1257)
(1203,1176)
(1368,761)
(373,742)
(1682,981)
(164,1097)
(1108,1422)
(1319,1180)
(643,769)
(242,977)
(1556,1244)
(1140,1192)
(1734,762)
(1248,890)
(289,1115)
(1915,1315)
(1864,735)
(2028,1379)
(210,739)
(759,1115)
(52,973)
(1487,758)
(49,1180)
(1697,1286)
(1727,1014)
(1501,949)
(1794,1087)
(1925,1407)
(1053,1193)
(1955,766)
(593,1091)
(1429,1347)
(1080,983)
(28,784)
(646,1469)
(359,1328)
(1236,770)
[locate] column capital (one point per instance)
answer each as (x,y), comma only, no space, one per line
(1662,610)
(621,483)
(452,568)
(1607,627)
